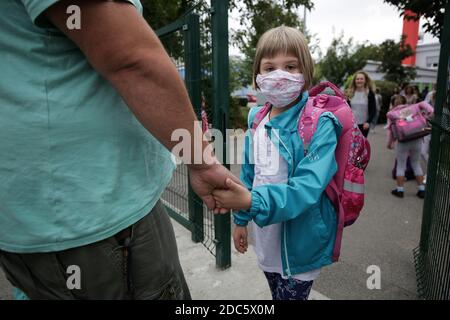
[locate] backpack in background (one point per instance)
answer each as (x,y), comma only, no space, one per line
(346,189)
(408,122)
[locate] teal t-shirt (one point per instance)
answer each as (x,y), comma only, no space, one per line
(75,164)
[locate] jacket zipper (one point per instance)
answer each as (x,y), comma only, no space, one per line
(284,224)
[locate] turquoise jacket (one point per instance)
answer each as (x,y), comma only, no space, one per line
(307,215)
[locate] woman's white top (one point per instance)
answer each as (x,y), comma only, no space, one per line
(360,107)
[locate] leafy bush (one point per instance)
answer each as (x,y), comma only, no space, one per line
(238,114)
(386,91)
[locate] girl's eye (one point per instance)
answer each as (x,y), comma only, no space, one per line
(291,67)
(269,69)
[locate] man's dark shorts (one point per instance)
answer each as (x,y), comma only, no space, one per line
(140,262)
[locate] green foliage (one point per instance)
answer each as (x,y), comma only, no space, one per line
(343,59)
(255,18)
(238,114)
(160,13)
(318,75)
(386,90)
(238,78)
(431,10)
(391,56)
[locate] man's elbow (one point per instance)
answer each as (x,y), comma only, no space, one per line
(138,61)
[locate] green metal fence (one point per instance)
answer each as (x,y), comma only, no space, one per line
(198,45)
(432,257)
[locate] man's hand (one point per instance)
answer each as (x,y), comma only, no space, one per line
(236,196)
(240,239)
(205,179)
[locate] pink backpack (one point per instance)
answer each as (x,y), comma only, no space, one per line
(346,189)
(408,122)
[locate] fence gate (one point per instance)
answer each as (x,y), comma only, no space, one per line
(198,45)
(432,257)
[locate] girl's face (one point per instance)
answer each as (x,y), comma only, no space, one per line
(281,61)
(360,81)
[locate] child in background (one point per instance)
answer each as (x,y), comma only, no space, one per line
(294,221)
(410,96)
(402,151)
(379,103)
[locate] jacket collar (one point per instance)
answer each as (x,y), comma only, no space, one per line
(288,120)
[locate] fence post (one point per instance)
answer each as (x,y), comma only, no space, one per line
(219,12)
(191,34)
(433,253)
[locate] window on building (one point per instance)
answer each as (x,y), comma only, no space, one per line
(432,62)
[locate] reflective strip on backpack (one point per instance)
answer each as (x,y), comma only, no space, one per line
(353,187)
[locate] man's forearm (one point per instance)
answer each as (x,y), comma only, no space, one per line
(154,91)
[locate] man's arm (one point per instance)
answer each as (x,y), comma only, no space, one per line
(123,48)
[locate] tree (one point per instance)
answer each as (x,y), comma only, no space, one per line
(343,59)
(256,17)
(431,10)
(391,56)
(160,13)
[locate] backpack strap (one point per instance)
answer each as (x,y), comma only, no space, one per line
(307,124)
(322,86)
(256,117)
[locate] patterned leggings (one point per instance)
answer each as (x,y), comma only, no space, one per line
(281,289)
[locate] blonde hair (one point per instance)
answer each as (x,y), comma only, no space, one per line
(285,40)
(399,100)
(369,85)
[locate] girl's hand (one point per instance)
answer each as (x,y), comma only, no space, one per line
(236,197)
(240,239)
(366,126)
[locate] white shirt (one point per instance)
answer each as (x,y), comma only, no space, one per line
(360,107)
(270,168)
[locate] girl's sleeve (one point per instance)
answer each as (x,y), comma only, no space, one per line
(281,202)
(390,136)
(247,176)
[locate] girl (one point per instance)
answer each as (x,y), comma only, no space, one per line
(410,96)
(403,150)
(294,222)
(362,100)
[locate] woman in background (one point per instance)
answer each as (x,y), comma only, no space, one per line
(361,98)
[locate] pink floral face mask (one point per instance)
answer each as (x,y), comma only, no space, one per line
(281,87)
